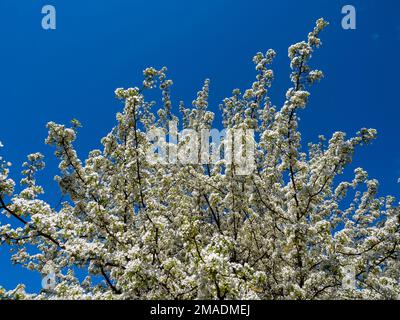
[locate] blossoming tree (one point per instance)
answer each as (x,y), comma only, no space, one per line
(145,230)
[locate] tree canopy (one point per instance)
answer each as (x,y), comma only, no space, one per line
(290,228)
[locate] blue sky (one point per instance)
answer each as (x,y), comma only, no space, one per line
(71,72)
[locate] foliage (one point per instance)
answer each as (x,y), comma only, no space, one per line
(200,231)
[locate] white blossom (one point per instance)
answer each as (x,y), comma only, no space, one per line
(286,230)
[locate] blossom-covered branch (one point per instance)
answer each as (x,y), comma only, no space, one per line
(291,227)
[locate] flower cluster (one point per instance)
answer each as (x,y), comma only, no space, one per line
(292,228)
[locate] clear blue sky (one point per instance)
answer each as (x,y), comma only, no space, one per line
(71,72)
